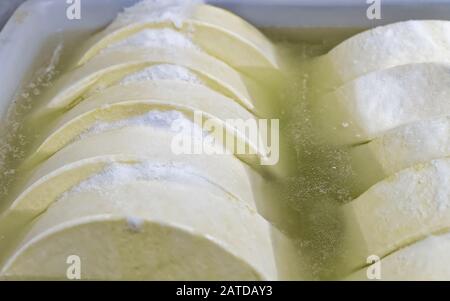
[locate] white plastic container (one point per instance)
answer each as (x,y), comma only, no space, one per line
(38,26)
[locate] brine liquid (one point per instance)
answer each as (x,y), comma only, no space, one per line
(305,202)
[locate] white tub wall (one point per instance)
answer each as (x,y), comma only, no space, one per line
(7,8)
(333,13)
(24,36)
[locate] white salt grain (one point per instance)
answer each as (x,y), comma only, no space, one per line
(135,223)
(155,118)
(151,38)
(162,72)
(174,11)
(116,173)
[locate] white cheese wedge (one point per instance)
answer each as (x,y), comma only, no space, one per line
(126,101)
(400,148)
(426,260)
(384,47)
(162,229)
(402,209)
(90,155)
(372,104)
(111,67)
(156,144)
(216,31)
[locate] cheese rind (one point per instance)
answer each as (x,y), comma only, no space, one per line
(109,68)
(370,105)
(163,229)
(426,260)
(214,30)
(121,102)
(403,208)
(400,148)
(91,155)
(384,47)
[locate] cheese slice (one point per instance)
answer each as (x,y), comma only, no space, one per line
(402,209)
(372,104)
(426,260)
(127,101)
(109,68)
(216,31)
(88,156)
(384,47)
(400,148)
(174,229)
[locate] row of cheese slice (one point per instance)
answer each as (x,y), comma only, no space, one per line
(103,182)
(385,96)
